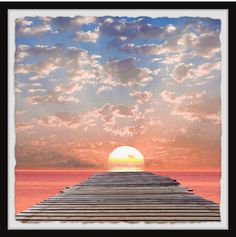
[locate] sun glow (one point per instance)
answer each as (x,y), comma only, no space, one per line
(126,158)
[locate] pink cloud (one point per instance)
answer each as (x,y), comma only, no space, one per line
(207,68)
(203,109)
(22,127)
(141,97)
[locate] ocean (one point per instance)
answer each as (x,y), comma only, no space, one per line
(33,186)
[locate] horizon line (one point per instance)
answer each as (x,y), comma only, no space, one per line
(97,169)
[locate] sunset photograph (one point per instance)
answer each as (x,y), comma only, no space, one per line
(117,118)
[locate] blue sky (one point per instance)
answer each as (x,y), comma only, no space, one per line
(85,85)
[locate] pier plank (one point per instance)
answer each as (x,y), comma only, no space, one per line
(124,196)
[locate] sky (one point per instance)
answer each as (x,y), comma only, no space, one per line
(85,85)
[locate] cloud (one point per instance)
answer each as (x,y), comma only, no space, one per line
(36,90)
(42,153)
(64,98)
(69,120)
(207,45)
(82,66)
(116,27)
(194,141)
(36,84)
(169,96)
(51,97)
(50,60)
(81,105)
(18,90)
(71,23)
(36,78)
(190,150)
(182,72)
(26,27)
(143,49)
(68,88)
(23,22)
(199,44)
(127,131)
(103,88)
(42,25)
(176,43)
(109,112)
(45,51)
(88,36)
(125,72)
(21,52)
(22,127)
(207,68)
(141,97)
(170,28)
(77,64)
(194,106)
(43,68)
(173,59)
(20,112)
(43,140)
(203,109)
(183,130)
(124,31)
(61,119)
(134,122)
(202,83)
(83,20)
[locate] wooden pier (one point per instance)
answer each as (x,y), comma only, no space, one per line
(124,197)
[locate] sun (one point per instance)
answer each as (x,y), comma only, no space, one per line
(126,158)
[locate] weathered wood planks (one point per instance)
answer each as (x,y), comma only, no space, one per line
(124,196)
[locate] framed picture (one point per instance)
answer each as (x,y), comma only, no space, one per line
(117,117)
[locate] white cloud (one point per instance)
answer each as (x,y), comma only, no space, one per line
(170,28)
(36,78)
(36,90)
(64,98)
(68,89)
(26,28)
(88,36)
(17,90)
(173,59)
(83,20)
(103,88)
(23,22)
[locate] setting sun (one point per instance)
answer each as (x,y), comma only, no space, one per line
(126,158)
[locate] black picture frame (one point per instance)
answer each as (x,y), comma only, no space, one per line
(5,6)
